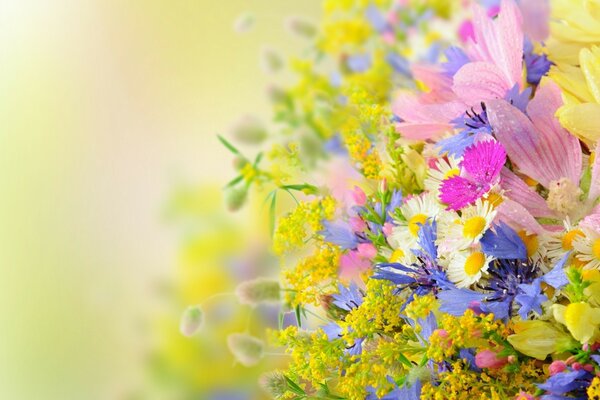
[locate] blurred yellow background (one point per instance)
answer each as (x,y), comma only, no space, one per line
(105,106)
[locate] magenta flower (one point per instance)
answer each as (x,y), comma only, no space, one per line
(481,166)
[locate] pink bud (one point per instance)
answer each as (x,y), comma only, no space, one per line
(388,37)
(493,11)
(359,196)
(357,224)
(557,366)
(585,346)
(466,31)
(388,227)
(577,366)
(512,359)
(588,367)
(524,396)
(489,359)
(442,333)
(596,346)
(367,250)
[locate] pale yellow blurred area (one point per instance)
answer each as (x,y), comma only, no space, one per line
(105,105)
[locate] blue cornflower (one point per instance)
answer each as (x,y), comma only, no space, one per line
(537,65)
(349,297)
(359,62)
(456,58)
(530,298)
(518,99)
(567,382)
(412,392)
(339,233)
(332,330)
(556,277)
(503,242)
(376,18)
(399,64)
(335,146)
(470,125)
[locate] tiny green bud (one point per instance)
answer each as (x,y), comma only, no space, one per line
(192,321)
(257,291)
(243,23)
(271,60)
(247,350)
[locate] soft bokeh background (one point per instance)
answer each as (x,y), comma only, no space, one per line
(106,107)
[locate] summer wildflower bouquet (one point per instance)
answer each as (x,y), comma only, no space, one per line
(445,243)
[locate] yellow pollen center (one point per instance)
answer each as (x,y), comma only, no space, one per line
(415,222)
(474,263)
(452,172)
(494,199)
(473,227)
(531,242)
(567,240)
(396,255)
(596,249)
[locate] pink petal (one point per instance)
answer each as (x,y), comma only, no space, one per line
(518,217)
(478,81)
(500,41)
(562,147)
(524,145)
(438,83)
(537,15)
(424,120)
(458,192)
(520,192)
(483,161)
(595,182)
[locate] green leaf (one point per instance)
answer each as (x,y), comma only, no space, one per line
(234,181)
(293,387)
(229,146)
(297,310)
(258,158)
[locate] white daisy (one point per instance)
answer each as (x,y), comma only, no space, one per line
(416,211)
(460,232)
(443,170)
(588,248)
(467,266)
(558,243)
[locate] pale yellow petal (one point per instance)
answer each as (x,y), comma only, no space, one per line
(590,66)
(571,22)
(572,82)
(582,120)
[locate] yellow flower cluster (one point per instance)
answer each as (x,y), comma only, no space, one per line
(466,331)
(313,275)
(593,391)
(307,217)
(379,312)
(460,383)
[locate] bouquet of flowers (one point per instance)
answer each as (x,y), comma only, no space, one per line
(445,241)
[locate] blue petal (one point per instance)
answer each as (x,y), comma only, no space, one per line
(339,233)
(557,277)
(503,243)
(456,301)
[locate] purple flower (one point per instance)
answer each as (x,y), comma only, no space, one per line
(456,59)
(531,298)
(567,382)
(557,277)
(537,65)
(359,62)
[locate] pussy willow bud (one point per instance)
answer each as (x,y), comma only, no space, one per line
(235,197)
(274,384)
(257,291)
(246,349)
(301,27)
(192,321)
(243,23)
(271,60)
(249,130)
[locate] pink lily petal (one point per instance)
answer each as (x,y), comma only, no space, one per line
(518,191)
(500,41)
(478,81)
(531,152)
(537,15)
(595,183)
(518,217)
(560,146)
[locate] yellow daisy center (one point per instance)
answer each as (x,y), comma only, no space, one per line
(494,199)
(451,172)
(396,255)
(473,227)
(474,263)
(415,222)
(567,240)
(596,249)
(531,242)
